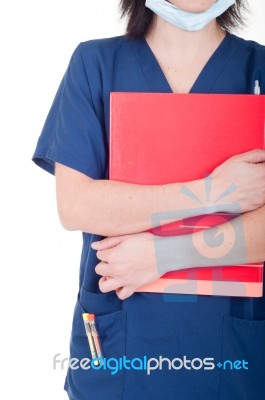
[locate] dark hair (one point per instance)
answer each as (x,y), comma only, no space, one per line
(140,17)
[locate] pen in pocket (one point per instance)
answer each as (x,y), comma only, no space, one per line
(92,335)
(95,335)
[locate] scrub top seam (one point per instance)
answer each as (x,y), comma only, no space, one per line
(224,68)
(248,43)
(50,150)
(51,154)
(88,84)
(141,66)
(93,103)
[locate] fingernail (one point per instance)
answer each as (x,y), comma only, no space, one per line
(94,244)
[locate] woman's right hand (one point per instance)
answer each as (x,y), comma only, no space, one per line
(247,172)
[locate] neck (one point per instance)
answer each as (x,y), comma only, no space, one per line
(173,41)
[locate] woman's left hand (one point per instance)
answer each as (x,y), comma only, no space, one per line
(127,263)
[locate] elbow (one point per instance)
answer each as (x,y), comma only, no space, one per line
(67,226)
(71,219)
(65,213)
(71,189)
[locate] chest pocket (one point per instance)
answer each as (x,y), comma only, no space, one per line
(110,322)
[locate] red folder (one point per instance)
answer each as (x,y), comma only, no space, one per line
(159,138)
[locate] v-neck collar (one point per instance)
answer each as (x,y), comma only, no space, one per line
(205,81)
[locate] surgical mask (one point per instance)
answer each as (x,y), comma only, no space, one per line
(188,21)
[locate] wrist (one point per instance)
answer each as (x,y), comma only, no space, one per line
(202,249)
(223,198)
(168,253)
(199,197)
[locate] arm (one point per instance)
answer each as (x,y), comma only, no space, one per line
(244,243)
(135,260)
(111,208)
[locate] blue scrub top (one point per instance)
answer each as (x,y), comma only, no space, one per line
(76,134)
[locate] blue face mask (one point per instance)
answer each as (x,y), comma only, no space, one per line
(187,20)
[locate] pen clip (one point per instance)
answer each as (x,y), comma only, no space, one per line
(257,88)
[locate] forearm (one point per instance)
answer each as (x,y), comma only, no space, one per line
(244,243)
(111,208)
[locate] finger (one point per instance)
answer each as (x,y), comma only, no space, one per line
(124,292)
(106,285)
(106,243)
(102,269)
(104,255)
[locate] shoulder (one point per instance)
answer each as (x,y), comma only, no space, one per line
(98,57)
(104,47)
(257,50)
(251,57)
(104,43)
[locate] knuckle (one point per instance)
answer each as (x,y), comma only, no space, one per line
(99,254)
(123,294)
(98,268)
(101,286)
(127,292)
(120,296)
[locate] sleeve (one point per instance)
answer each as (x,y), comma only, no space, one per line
(73,133)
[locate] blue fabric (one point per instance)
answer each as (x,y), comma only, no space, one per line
(76,134)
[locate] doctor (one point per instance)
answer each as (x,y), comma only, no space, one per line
(182,47)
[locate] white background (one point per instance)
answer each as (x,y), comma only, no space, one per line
(40,260)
